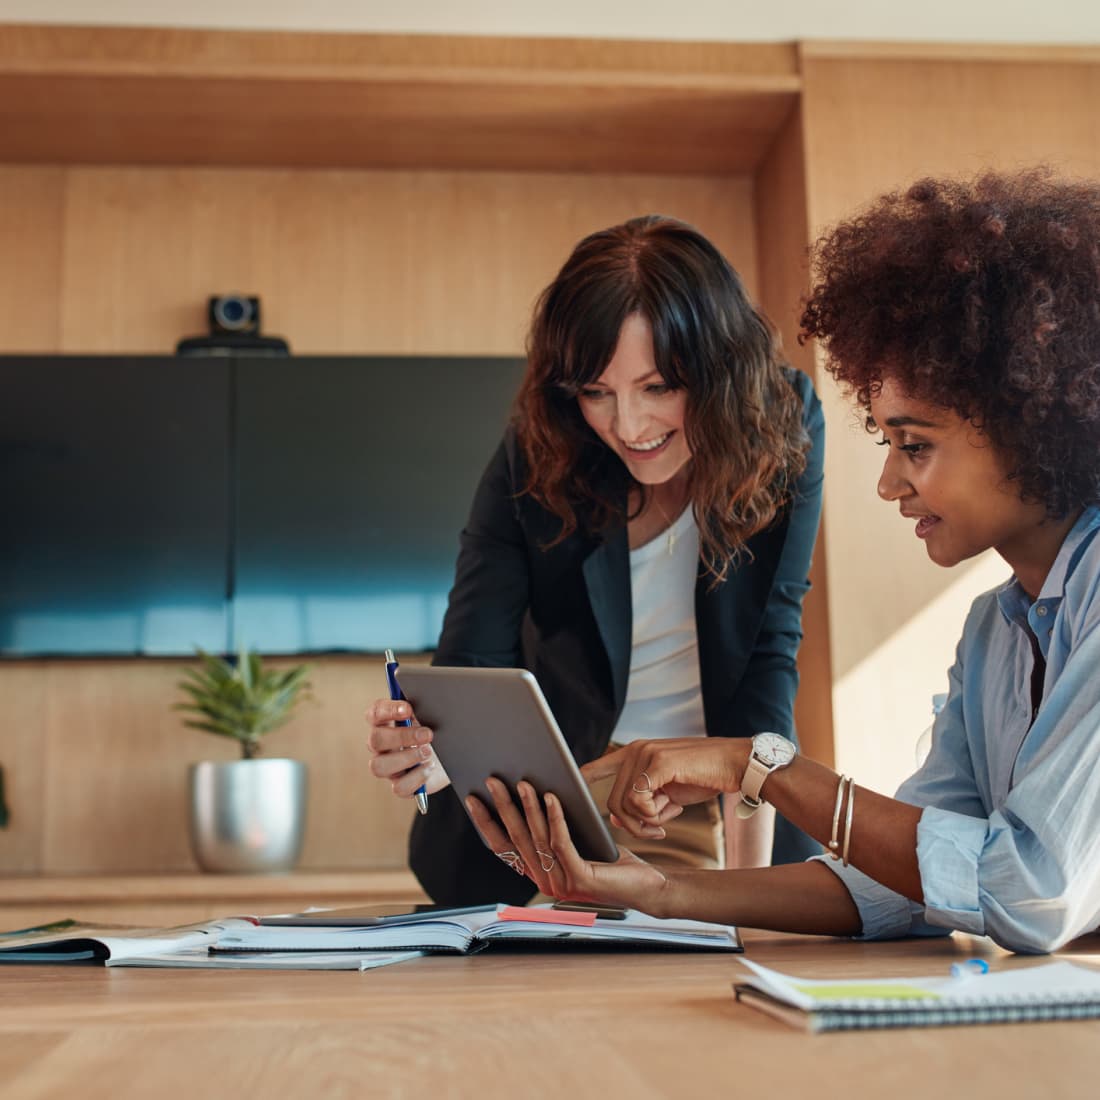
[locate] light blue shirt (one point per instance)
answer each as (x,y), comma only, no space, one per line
(1009,841)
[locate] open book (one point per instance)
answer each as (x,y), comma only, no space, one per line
(503,925)
(186,947)
(1049,991)
(73,941)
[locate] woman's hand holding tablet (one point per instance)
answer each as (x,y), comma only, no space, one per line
(494,724)
(541,839)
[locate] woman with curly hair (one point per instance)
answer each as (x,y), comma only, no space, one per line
(965,320)
(641,540)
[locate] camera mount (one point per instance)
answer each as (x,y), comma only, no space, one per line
(234,321)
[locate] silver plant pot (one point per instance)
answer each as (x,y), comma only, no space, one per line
(248,815)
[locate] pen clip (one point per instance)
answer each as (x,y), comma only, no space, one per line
(395,688)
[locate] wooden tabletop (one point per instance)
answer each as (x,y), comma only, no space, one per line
(512,1025)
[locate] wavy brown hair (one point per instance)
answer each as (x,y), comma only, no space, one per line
(983,297)
(743,421)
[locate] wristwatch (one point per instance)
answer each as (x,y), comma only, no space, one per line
(770,752)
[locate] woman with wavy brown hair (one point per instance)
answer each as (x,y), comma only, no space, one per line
(641,539)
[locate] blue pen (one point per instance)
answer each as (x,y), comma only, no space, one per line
(397,693)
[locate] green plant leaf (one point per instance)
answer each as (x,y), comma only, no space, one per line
(255,668)
(244,701)
(211,727)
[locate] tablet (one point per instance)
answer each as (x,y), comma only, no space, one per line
(496,722)
(363,916)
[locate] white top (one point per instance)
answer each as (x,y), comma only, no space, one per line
(663,696)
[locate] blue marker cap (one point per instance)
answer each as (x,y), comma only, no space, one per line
(969,968)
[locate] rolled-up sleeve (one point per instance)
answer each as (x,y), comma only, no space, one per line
(885,914)
(949,850)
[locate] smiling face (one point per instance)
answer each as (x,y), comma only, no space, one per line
(947,476)
(633,410)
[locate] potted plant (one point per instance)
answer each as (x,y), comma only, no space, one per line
(247,815)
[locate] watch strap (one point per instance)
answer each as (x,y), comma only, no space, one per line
(753,779)
(756,771)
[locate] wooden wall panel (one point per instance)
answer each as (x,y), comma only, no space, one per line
(345,262)
(32,232)
(98,769)
(169,96)
(24,756)
(116,785)
(348,262)
(874,125)
(782,234)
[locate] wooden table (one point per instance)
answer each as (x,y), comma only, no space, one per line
(566,1026)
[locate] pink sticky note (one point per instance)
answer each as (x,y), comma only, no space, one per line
(547,916)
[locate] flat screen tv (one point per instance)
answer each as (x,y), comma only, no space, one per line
(355,478)
(115,497)
(152,505)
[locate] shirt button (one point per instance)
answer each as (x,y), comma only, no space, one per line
(1040,610)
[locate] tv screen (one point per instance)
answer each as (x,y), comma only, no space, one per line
(355,478)
(114,490)
(294,505)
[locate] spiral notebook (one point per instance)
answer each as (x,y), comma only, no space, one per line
(1049,991)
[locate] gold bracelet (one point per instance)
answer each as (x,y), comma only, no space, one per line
(848,820)
(834,844)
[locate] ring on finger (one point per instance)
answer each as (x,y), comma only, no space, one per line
(642,790)
(514,860)
(546,859)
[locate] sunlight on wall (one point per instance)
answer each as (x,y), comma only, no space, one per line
(882,706)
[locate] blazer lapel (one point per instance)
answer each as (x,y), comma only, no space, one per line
(727,620)
(607,576)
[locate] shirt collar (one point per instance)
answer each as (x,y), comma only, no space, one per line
(1016,605)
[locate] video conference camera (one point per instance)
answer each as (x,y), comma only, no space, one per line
(234,322)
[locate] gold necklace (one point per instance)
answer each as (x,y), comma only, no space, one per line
(669,526)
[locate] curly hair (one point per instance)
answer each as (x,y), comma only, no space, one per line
(983,297)
(743,419)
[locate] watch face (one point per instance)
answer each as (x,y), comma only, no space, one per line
(773,749)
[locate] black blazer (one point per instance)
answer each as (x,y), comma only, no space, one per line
(566,613)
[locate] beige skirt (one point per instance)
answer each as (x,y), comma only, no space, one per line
(694,840)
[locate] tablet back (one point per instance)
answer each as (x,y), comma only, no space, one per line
(496,722)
